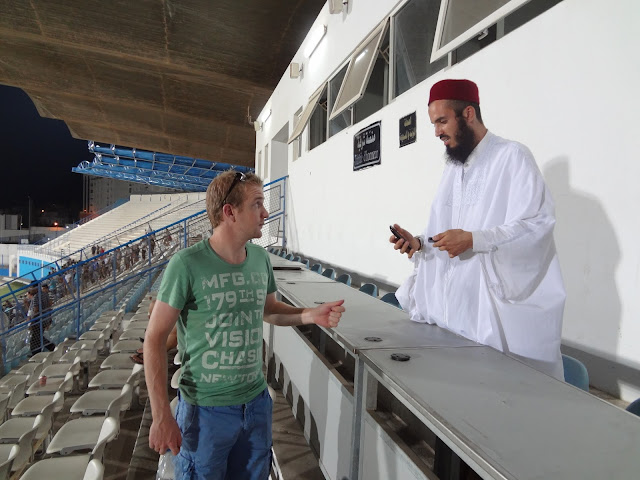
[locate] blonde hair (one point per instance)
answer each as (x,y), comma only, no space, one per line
(219,187)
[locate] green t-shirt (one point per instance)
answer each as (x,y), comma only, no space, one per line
(220,324)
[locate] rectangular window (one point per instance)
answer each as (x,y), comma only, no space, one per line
(376,93)
(297,142)
(318,122)
(343,120)
(414,31)
(461,20)
(306,113)
(361,65)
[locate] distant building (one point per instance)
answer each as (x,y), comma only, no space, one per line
(99,193)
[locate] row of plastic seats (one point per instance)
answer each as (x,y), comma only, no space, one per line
(61,367)
(368,288)
(575,372)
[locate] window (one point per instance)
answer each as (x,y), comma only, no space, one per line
(527,12)
(361,65)
(414,31)
(461,20)
(343,120)
(306,113)
(477,43)
(297,142)
(376,93)
(318,122)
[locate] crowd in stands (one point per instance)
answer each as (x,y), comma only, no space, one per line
(97,269)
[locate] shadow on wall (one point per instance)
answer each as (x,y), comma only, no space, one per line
(589,254)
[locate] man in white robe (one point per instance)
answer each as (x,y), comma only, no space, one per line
(492,273)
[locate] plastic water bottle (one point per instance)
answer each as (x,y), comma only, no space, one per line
(165,467)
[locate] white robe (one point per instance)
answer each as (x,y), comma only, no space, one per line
(507,292)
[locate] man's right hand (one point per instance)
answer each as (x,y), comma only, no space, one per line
(404,243)
(165,435)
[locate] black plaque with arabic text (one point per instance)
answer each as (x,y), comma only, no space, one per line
(366,147)
(408,129)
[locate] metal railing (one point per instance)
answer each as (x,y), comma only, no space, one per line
(79,291)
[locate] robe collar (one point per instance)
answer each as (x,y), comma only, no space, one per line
(479,150)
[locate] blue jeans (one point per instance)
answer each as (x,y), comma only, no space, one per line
(221,443)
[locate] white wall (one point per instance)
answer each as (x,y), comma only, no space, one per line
(563,84)
(7,250)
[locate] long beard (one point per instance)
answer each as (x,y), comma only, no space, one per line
(465,141)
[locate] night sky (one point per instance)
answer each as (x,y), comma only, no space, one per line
(37,156)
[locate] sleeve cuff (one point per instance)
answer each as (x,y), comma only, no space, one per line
(480,243)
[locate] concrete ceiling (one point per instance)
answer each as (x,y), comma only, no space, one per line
(172,76)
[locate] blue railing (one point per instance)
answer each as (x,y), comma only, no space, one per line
(84,253)
(85,289)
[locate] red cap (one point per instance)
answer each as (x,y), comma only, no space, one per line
(464,90)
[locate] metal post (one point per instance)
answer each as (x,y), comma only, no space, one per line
(284,213)
(77,298)
(149,256)
(115,276)
(356,423)
(184,243)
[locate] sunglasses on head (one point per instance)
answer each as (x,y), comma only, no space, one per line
(240,177)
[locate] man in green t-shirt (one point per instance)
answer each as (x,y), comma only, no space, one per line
(219,292)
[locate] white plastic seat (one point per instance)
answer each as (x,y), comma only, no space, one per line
(136,324)
(14,428)
(15,392)
(52,385)
(99,326)
(25,447)
(98,401)
(175,378)
(32,369)
(89,344)
(133,334)
(117,361)
(4,401)
(8,382)
(109,314)
(126,346)
(76,467)
(83,433)
(60,349)
(7,463)
(94,334)
(34,404)
(61,369)
(87,353)
(108,379)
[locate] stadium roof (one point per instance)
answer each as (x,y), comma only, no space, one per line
(177,76)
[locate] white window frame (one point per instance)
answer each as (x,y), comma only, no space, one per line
(259,164)
(341,104)
(440,50)
(297,142)
(306,113)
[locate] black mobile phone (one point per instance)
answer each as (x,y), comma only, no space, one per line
(397,235)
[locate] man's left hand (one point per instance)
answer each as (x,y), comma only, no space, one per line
(453,241)
(326,315)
